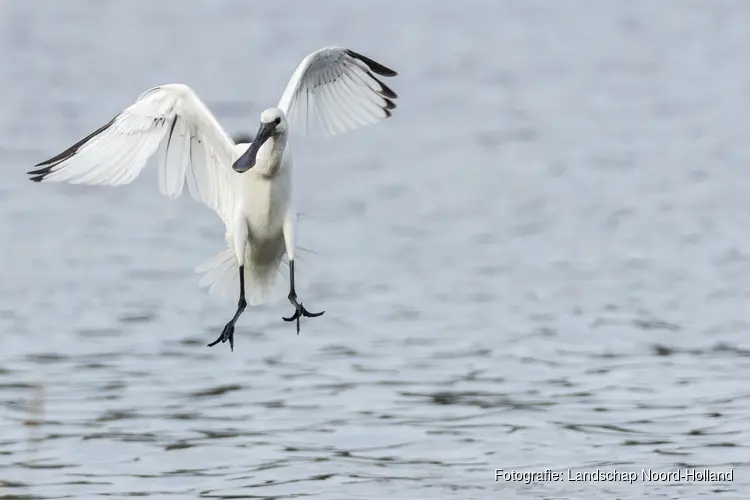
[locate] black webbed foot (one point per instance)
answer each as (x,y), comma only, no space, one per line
(299,312)
(299,309)
(226,335)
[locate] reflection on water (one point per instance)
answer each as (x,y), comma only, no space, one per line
(540,262)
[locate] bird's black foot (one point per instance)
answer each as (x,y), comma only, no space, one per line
(226,334)
(299,312)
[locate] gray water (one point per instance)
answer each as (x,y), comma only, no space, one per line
(542,261)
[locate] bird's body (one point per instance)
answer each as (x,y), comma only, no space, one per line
(257,228)
(248,185)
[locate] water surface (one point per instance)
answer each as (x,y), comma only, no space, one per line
(542,261)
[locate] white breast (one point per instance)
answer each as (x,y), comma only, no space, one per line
(264,202)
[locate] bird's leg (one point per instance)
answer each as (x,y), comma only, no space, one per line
(228,332)
(299,308)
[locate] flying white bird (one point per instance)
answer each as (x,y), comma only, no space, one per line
(248,185)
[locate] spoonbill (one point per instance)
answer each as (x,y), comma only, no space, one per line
(248,185)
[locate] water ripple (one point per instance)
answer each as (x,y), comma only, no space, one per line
(540,262)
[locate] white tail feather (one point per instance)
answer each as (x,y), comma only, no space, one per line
(221,275)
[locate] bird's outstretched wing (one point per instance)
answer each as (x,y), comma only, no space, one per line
(340,88)
(169,123)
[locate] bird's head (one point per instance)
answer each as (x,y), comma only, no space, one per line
(272,124)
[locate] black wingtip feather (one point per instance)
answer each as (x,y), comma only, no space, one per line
(376,67)
(46,165)
(386,91)
(39,171)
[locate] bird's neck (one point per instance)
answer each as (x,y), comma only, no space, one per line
(269,157)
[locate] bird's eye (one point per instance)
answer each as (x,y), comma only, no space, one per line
(277,120)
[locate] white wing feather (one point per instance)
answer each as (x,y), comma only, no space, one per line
(169,123)
(339,87)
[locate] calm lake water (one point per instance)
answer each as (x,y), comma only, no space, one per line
(541,262)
